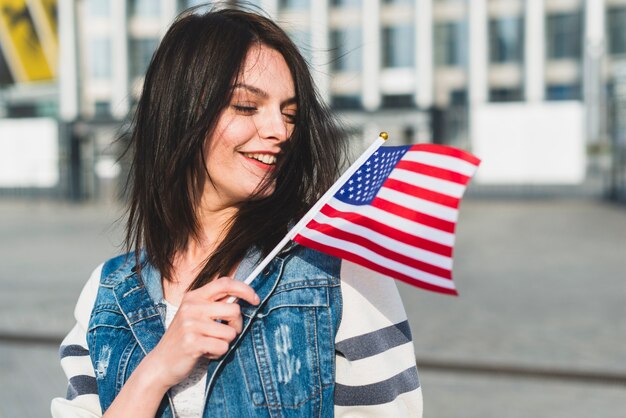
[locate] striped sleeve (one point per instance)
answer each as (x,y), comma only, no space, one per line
(81,400)
(376,375)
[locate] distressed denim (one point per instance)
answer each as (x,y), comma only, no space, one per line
(281,365)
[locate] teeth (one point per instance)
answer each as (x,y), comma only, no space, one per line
(264,158)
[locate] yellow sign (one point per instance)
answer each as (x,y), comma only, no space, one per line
(21,34)
(44,14)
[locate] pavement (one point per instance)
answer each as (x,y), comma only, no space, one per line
(539,328)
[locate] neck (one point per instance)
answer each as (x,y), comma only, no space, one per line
(214,224)
(187,264)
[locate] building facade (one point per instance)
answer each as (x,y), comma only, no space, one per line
(522,83)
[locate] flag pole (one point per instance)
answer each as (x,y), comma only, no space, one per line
(382,137)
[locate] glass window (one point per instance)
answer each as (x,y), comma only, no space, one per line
(48,109)
(450,43)
(100,58)
(346,49)
(141,50)
(145,8)
(563,92)
(505,95)
(506,40)
(564,36)
(398,1)
(102,109)
(98,8)
(346,2)
(396,101)
(398,46)
(22,110)
(293,4)
(616,18)
(458,97)
(346,102)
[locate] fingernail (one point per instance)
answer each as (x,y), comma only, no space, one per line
(257,299)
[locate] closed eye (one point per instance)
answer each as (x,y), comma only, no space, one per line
(246,110)
(290,117)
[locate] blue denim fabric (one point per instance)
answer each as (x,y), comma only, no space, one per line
(282,364)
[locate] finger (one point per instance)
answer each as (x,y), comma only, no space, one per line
(213,348)
(218,330)
(225,286)
(229,313)
(222,310)
(236,324)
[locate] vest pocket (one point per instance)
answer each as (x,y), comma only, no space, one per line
(280,354)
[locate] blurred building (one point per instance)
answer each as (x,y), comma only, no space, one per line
(522,83)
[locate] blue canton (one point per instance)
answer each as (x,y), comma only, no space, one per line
(362,187)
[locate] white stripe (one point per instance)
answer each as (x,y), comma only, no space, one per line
(427,182)
(376,368)
(420,205)
(371,301)
(446,162)
(398,222)
(371,256)
(83,406)
(410,251)
(77,365)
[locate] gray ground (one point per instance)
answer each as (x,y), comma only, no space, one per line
(542,295)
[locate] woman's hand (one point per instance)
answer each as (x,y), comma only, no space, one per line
(204,325)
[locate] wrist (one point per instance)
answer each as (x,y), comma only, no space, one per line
(149,375)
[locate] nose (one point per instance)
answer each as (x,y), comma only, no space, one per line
(272,125)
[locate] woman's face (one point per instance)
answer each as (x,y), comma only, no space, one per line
(249,133)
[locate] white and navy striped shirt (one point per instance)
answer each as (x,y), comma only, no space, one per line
(376,374)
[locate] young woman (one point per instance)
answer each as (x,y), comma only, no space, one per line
(230,147)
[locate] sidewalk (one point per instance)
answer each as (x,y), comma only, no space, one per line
(541,282)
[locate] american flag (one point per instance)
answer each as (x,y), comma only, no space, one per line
(397,213)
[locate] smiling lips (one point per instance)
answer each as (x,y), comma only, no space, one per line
(266,161)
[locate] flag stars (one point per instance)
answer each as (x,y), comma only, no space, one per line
(367,180)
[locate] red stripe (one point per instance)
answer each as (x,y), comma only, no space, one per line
(413,215)
(437,172)
(420,192)
(381,228)
(341,234)
(444,150)
(414,281)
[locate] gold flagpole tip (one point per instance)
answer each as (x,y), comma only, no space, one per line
(384,135)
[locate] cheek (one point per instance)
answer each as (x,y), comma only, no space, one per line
(237,133)
(229,137)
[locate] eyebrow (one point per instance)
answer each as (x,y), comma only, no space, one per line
(263,94)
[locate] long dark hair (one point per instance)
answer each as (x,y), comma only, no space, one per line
(188,83)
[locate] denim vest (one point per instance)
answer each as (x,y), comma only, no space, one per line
(281,365)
